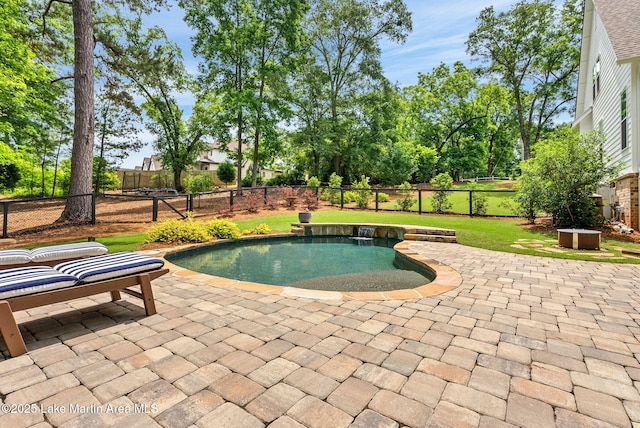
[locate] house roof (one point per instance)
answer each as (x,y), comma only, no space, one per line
(621,20)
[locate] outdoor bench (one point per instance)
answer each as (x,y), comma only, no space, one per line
(34,286)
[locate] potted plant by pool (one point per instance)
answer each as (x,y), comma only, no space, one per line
(304,216)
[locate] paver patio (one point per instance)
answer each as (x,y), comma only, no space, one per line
(524,341)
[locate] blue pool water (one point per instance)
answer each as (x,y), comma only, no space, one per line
(320,263)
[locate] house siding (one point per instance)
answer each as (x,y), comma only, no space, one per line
(604,112)
(614,79)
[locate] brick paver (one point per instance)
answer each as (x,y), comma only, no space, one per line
(522,342)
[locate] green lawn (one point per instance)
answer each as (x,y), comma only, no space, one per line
(492,234)
(460,203)
(504,235)
(459,198)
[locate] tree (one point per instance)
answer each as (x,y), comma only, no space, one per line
(396,163)
(249,49)
(426,160)
(535,51)
(152,66)
(226,172)
(345,38)
(9,171)
(84,18)
(448,116)
(500,129)
(565,171)
(28,98)
(118,118)
(31,101)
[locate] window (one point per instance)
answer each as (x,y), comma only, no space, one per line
(623,119)
(596,79)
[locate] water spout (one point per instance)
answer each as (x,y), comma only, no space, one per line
(365,233)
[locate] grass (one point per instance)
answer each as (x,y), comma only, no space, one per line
(460,203)
(488,233)
(459,198)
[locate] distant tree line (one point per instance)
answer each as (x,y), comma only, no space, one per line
(293,82)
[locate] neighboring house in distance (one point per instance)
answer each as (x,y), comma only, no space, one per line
(209,160)
(609,92)
(150,164)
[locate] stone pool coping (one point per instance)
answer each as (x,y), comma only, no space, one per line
(446,278)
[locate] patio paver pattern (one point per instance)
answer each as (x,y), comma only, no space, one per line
(524,341)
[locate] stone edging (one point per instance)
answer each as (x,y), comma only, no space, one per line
(446,279)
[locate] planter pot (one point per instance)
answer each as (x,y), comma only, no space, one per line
(304,217)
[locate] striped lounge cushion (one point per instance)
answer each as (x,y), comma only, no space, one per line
(15,256)
(33,279)
(109,266)
(67,251)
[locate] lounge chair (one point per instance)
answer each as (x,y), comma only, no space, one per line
(34,286)
(50,255)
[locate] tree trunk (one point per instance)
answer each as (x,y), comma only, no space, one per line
(239,166)
(177,184)
(55,168)
(79,209)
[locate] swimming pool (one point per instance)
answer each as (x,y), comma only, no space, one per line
(332,263)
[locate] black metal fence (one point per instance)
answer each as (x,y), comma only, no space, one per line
(28,215)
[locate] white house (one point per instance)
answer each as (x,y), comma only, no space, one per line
(209,159)
(609,92)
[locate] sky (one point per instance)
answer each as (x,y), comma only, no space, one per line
(440,30)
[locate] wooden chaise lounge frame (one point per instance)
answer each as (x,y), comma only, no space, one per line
(9,327)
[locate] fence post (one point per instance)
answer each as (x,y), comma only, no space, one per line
(470,202)
(341,198)
(419,201)
(5,219)
(265,195)
(376,200)
(93,208)
(155,208)
(230,200)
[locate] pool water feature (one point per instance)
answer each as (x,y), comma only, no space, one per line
(335,263)
(365,232)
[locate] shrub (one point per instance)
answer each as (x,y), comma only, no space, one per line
(178,231)
(247,181)
(442,184)
(349,196)
(261,229)
(313,182)
(198,183)
(289,195)
(285,179)
(363,196)
(383,197)
(406,199)
(479,202)
(272,202)
(332,194)
(310,200)
(566,170)
(226,172)
(222,228)
(253,200)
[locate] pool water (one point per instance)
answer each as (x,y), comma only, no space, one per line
(318,263)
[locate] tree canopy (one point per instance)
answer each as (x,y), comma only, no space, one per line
(534,49)
(293,83)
